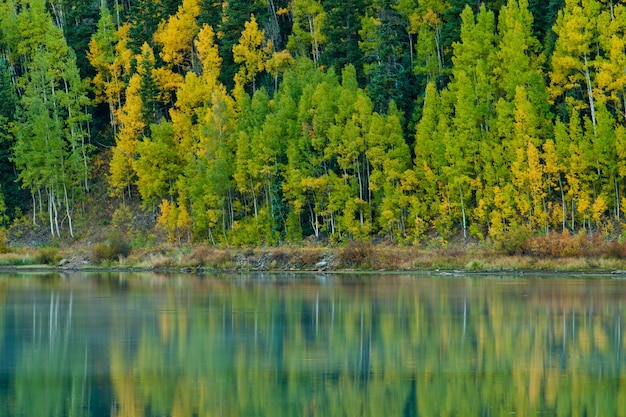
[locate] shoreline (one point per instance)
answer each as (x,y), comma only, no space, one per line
(542,256)
(203,271)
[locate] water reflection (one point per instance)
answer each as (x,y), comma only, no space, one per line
(397,345)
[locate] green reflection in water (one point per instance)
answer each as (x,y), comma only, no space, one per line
(392,345)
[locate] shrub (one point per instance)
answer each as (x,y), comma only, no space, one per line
(309,257)
(566,245)
(115,247)
(616,250)
(202,256)
(47,256)
(357,253)
(3,242)
(512,242)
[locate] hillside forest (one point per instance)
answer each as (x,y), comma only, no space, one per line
(263,122)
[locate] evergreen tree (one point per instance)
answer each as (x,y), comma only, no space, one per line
(12,196)
(341,28)
(77,19)
(387,55)
(144,17)
(545,14)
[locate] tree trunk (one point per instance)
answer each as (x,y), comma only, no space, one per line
(67,211)
(592,107)
(563,204)
(463,213)
(50,214)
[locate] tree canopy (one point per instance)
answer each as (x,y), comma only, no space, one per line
(274,121)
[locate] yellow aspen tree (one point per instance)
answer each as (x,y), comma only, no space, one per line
(157,164)
(536,187)
(553,169)
(101,56)
(430,157)
(598,212)
(503,216)
(168,218)
(201,123)
(388,154)
(471,95)
(131,127)
(209,56)
(620,147)
(132,119)
(176,36)
(578,170)
(527,170)
(251,54)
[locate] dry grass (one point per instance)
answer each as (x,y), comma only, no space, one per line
(18,258)
(553,252)
(205,257)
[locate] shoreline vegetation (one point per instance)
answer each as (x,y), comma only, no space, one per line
(550,254)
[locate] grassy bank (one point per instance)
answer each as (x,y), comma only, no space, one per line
(551,253)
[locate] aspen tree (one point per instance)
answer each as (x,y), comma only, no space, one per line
(308,21)
(389,156)
(176,35)
(250,53)
(575,53)
(50,148)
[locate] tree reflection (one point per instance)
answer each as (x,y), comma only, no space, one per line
(401,346)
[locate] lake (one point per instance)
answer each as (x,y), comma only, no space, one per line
(311,345)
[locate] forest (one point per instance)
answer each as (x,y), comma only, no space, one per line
(265,122)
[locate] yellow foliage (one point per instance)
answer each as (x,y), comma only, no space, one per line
(279,62)
(431,18)
(192,93)
(122,50)
(598,208)
(131,126)
(250,53)
(208,54)
(167,82)
(177,33)
(183,221)
(168,218)
(584,204)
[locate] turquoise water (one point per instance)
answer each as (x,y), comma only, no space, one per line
(307,345)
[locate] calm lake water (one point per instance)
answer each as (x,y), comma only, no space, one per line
(307,345)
